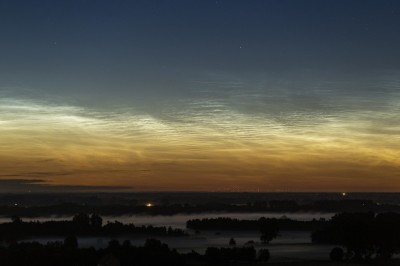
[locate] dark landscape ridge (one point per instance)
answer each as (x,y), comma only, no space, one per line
(38,205)
(358,228)
(27,197)
(361,238)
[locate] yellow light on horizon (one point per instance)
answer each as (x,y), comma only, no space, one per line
(149,204)
(89,147)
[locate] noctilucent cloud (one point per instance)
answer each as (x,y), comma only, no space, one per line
(278,95)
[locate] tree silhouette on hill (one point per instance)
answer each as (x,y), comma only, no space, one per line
(364,235)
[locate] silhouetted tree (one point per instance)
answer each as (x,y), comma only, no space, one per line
(387,234)
(71,242)
(56,253)
(81,219)
(227,255)
(114,244)
(263,255)
(232,242)
(155,244)
(363,234)
(96,221)
(268,228)
(337,254)
(16,219)
(109,260)
(127,244)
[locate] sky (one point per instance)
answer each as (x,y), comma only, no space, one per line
(186,95)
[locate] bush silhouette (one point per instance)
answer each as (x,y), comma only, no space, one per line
(363,234)
(263,255)
(269,229)
(71,242)
(336,254)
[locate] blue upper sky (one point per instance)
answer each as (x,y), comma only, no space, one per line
(111,50)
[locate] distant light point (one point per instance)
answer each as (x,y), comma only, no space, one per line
(344,194)
(149,204)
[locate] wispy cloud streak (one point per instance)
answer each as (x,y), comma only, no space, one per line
(198,144)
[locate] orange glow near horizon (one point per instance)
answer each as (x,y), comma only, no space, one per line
(230,152)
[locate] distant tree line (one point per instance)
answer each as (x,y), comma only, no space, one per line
(364,235)
(64,254)
(223,256)
(82,224)
(232,224)
(345,205)
(269,228)
(153,253)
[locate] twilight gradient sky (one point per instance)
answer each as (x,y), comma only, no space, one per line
(274,95)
